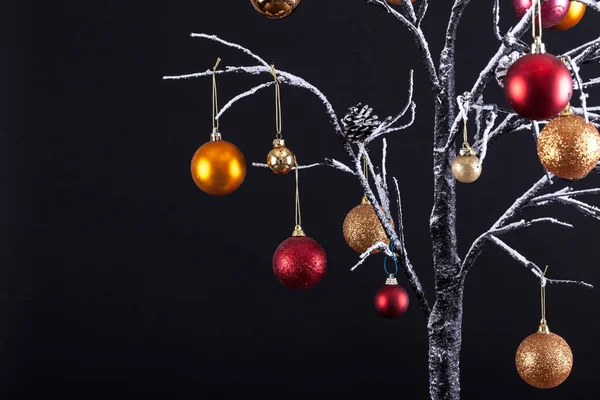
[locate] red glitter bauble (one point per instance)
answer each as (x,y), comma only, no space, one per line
(391,301)
(553,11)
(299,262)
(538,86)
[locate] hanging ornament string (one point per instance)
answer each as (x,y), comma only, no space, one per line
(277,103)
(385,265)
(298,213)
(215,102)
(536,7)
(463,107)
(543,295)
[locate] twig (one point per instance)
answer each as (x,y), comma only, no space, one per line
(531,266)
(327,163)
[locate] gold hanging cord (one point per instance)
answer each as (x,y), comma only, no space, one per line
(543,325)
(537,7)
(215,103)
(277,103)
(298,213)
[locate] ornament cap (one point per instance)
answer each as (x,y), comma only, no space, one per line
(391,280)
(298,231)
(543,328)
(278,142)
(538,47)
(567,110)
(215,136)
(365,200)
(467,150)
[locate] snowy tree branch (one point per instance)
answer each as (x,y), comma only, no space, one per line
(329,162)
(537,271)
(419,37)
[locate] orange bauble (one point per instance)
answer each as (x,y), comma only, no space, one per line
(218,167)
(574,15)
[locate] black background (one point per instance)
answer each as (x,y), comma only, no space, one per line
(120,277)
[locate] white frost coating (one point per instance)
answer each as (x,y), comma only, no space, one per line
(217,39)
(377,246)
(486,132)
(328,163)
(590,83)
(525,224)
(242,95)
(384,167)
(537,271)
(497,20)
(583,95)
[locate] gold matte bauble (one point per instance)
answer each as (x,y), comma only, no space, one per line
(218,167)
(275,8)
(544,360)
(568,147)
(573,17)
(362,229)
(466,168)
(280,159)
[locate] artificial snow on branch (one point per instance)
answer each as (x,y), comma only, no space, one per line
(329,162)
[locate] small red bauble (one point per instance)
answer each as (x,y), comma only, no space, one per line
(538,86)
(391,300)
(553,11)
(299,262)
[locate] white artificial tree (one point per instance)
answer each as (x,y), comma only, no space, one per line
(445,315)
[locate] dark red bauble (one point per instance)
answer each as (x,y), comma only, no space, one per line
(391,301)
(538,86)
(553,11)
(299,262)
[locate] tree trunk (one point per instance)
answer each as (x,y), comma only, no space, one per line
(445,336)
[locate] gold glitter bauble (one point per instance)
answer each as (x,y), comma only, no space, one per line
(275,8)
(544,360)
(568,147)
(466,168)
(280,159)
(362,228)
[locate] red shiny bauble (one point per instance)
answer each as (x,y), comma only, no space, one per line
(299,262)
(538,86)
(391,301)
(553,11)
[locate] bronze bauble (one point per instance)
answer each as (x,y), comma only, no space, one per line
(280,159)
(275,8)
(218,167)
(466,168)
(568,147)
(544,360)
(362,229)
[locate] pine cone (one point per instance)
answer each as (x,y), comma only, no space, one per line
(358,123)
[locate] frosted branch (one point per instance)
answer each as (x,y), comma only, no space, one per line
(217,39)
(515,255)
(565,192)
(497,20)
(526,224)
(522,202)
(386,126)
(243,95)
(489,124)
(329,162)
(419,37)
(583,95)
(377,246)
(422,11)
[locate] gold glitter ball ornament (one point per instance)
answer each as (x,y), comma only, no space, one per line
(568,147)
(544,360)
(275,9)
(280,159)
(466,167)
(362,229)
